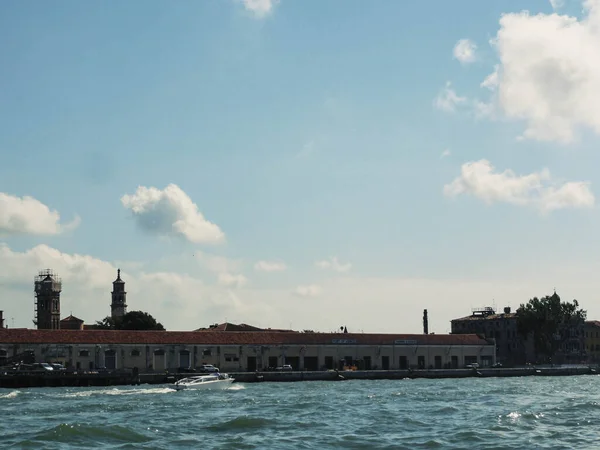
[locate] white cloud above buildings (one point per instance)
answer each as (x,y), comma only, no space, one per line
(171,212)
(308,290)
(547,74)
(270,266)
(260,8)
(537,189)
(27,215)
(448,100)
(333,264)
(465,51)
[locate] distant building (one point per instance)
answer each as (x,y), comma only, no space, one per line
(71,323)
(247,351)
(118,306)
(511,348)
(47,300)
(592,340)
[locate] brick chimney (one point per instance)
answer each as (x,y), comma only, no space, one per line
(1,319)
(425,322)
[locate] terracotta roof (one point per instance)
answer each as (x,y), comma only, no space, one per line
(490,317)
(26,336)
(72,318)
(230,327)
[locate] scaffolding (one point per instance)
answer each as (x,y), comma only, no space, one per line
(47,286)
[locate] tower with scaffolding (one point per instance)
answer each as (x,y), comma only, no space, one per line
(47,300)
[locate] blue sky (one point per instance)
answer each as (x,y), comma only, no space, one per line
(304,131)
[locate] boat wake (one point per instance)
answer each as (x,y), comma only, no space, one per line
(115,391)
(12,394)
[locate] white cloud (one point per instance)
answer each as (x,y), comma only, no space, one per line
(310,290)
(333,264)
(556,4)
(536,189)
(228,279)
(448,100)
(445,153)
(26,215)
(270,266)
(464,51)
(260,8)
(549,72)
(171,212)
(217,263)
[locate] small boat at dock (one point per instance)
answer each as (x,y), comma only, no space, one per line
(210,381)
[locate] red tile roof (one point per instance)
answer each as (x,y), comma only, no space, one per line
(241,327)
(72,318)
(26,336)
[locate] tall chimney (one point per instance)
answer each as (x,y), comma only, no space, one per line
(1,319)
(425,322)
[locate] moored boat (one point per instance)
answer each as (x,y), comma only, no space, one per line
(211,381)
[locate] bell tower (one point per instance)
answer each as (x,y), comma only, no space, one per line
(47,300)
(118,307)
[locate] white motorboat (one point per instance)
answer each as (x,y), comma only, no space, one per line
(211,381)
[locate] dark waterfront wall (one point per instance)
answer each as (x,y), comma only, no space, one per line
(128,378)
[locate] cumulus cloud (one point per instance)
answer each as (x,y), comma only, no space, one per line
(464,51)
(333,264)
(479,179)
(309,290)
(229,279)
(171,212)
(260,8)
(447,100)
(270,266)
(26,215)
(548,73)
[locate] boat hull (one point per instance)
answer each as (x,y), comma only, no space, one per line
(206,385)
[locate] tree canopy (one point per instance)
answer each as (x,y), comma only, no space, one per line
(133,320)
(550,322)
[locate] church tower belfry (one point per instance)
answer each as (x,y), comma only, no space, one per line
(118,307)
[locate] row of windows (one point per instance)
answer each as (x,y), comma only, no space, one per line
(84,353)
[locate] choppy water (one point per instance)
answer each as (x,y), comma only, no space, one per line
(533,412)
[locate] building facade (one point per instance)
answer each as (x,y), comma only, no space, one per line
(592,340)
(511,348)
(246,351)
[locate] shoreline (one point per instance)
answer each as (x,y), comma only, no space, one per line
(126,378)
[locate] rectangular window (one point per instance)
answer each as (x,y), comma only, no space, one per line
(206,352)
(84,353)
(135,352)
(421,362)
(438,362)
(454,362)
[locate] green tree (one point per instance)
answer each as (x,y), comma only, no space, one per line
(550,323)
(133,320)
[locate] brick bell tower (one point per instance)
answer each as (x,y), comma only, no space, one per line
(118,307)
